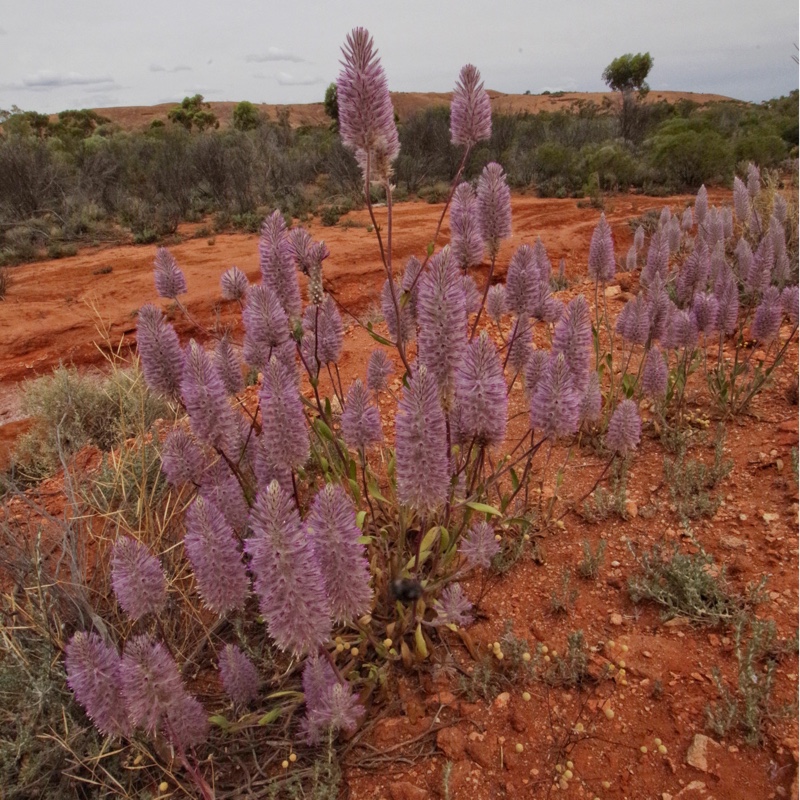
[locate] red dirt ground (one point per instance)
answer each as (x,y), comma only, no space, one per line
(53,311)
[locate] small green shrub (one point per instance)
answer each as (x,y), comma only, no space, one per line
(571,669)
(589,568)
(562,600)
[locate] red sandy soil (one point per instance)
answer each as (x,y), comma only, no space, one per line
(53,311)
(405,103)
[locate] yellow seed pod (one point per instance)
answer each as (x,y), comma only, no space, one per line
(554,654)
(578,727)
(657,741)
(559,768)
(544,649)
(526,656)
(610,644)
(498,537)
(163,786)
(519,747)
(137,760)
(547,659)
(568,775)
(340,648)
(621,663)
(354,651)
(624,648)
(606,784)
(499,655)
(662,749)
(285,764)
(526,696)
(609,712)
(387,642)
(496,646)
(293,757)
(643,748)
(570,765)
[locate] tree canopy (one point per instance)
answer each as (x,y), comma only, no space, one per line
(629,72)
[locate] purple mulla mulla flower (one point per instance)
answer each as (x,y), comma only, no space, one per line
(726,291)
(624,428)
(472,297)
(779,207)
(660,305)
(410,284)
(687,220)
(234,284)
(520,344)
(602,264)
(665,217)
(442,315)
(159,351)
(92,668)
(767,320)
(217,563)
(470,109)
(137,578)
(330,704)
(366,114)
(406,331)
(206,401)
(630,259)
(466,241)
(701,205)
(379,368)
(361,420)
(705,310)
(681,331)
(220,486)
(789,303)
(494,207)
(633,322)
(182,459)
(229,366)
(421,445)
(266,471)
(325,322)
(654,374)
(638,238)
(334,536)
(481,393)
(239,675)
(479,547)
(534,369)
(674,235)
(266,326)
(496,304)
(288,579)
(741,201)
(573,338)
(591,400)
(555,404)
(744,258)
(693,275)
(452,607)
(521,280)
(283,432)
(186,724)
(170,280)
(277,263)
(753,179)
(760,274)
(657,258)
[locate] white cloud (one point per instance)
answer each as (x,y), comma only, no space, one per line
(44,80)
(179,68)
(285,79)
(275,54)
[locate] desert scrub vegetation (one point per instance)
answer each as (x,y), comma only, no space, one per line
(249,580)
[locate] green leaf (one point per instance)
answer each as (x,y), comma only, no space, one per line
(485,509)
(514,479)
(430,249)
(375,491)
(355,489)
(219,721)
(360,517)
(323,430)
(270,716)
(377,337)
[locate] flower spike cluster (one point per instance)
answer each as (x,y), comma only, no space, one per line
(470,109)
(170,280)
(137,578)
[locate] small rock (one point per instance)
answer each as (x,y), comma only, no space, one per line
(501,701)
(451,741)
(518,721)
(612,291)
(732,542)
(403,790)
(677,622)
(697,754)
(631,509)
(615,619)
(481,753)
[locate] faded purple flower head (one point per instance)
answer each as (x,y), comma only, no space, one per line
(521,280)
(366,114)
(701,205)
(687,220)
(150,682)
(220,486)
(741,201)
(234,284)
(345,570)
(753,180)
(452,608)
(170,280)
(215,558)
(630,259)
(638,238)
(602,264)
(361,420)
(705,310)
(726,291)
(674,235)
(137,578)
(330,705)
(573,338)
(744,258)
(472,297)
(657,258)
(760,274)
(159,351)
(284,432)
(681,331)
(239,675)
(481,393)
(779,208)
(665,216)
(266,325)
(421,444)
(288,580)
(470,109)
(466,241)
(789,303)
(520,344)
(592,400)
(555,404)
(654,374)
(203,392)
(442,315)
(379,368)
(693,275)
(276,260)
(227,362)
(186,723)
(93,675)
(325,323)
(182,459)
(767,320)
(633,322)
(624,428)
(496,304)
(410,284)
(494,207)
(407,329)
(479,547)
(660,307)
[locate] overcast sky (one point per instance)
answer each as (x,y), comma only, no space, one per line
(57,54)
